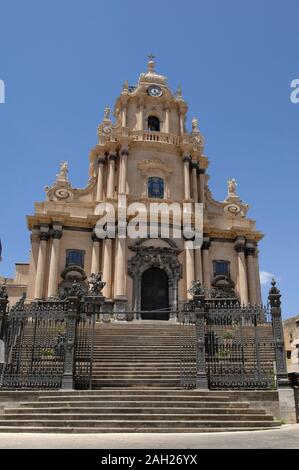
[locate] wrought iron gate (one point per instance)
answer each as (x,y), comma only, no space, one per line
(49,344)
(239,349)
(232,346)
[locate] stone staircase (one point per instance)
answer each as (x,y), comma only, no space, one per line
(136,388)
(134,410)
(138,354)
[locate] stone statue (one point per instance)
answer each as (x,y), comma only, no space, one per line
(107,113)
(232,187)
(96,284)
(64,169)
(194,125)
(196,289)
(126,85)
(179,92)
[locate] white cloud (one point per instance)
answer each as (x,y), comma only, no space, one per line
(266,277)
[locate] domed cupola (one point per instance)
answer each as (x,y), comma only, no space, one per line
(151,77)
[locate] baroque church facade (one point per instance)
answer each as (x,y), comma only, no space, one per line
(146,155)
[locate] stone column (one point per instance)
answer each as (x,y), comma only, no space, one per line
(198,265)
(182,123)
(120,268)
(124,116)
(167,113)
(242,271)
(123,170)
(100,181)
(189,267)
(107,267)
(206,263)
(56,234)
(141,116)
(250,252)
(257,277)
(33,262)
(95,255)
(41,262)
(194,167)
(111,174)
(201,185)
(186,161)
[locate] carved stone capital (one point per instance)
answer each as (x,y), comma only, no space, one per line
(101,160)
(112,157)
(240,244)
(124,151)
(250,250)
(94,237)
(194,165)
(56,234)
(186,158)
(240,247)
(44,236)
(206,243)
(44,233)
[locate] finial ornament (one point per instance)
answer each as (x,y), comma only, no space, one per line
(107,112)
(232,187)
(179,92)
(64,169)
(274,289)
(151,63)
(126,85)
(274,295)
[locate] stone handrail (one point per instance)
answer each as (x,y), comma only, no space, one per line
(155,136)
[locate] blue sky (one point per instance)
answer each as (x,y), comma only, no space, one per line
(63,61)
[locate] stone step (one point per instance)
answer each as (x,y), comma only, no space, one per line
(107,430)
(133,404)
(137,374)
(150,397)
(92,410)
(98,417)
(140,423)
(178,392)
(98,367)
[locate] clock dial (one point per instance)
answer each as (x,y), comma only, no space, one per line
(154,90)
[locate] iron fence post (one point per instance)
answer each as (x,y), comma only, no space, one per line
(281,363)
(72,316)
(201,374)
(3,309)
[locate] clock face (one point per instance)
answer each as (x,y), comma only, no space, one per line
(154,90)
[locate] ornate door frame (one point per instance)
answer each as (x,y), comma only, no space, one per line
(165,258)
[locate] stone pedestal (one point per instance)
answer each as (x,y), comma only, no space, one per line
(120,307)
(287,404)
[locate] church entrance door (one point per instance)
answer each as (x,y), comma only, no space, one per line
(154,294)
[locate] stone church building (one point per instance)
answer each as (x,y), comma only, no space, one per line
(146,154)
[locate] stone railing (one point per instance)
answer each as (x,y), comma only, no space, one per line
(153,136)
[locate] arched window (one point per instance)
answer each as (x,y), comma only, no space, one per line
(155,187)
(153,123)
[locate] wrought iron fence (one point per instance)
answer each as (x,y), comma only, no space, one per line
(233,346)
(49,344)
